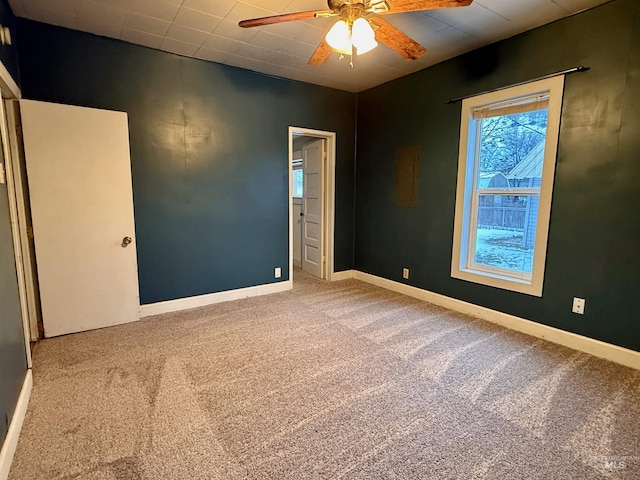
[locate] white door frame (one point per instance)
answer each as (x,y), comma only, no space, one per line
(328,194)
(10,90)
(19,180)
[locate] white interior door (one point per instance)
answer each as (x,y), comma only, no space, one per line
(297,232)
(313,208)
(79,174)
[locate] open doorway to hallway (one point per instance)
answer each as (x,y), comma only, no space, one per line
(311,202)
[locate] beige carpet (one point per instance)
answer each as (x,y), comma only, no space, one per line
(331,381)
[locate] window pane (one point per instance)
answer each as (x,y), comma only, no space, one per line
(506,232)
(298,178)
(512,150)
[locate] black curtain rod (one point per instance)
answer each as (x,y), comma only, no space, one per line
(563,72)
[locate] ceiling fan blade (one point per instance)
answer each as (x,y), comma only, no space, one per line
(397,41)
(397,6)
(322,53)
(285,17)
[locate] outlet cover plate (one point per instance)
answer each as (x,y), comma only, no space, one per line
(578,305)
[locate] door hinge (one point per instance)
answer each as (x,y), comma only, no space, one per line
(30,232)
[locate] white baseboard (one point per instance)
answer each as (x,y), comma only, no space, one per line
(614,353)
(345,275)
(211,298)
(11,442)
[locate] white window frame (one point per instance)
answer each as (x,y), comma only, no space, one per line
(462,264)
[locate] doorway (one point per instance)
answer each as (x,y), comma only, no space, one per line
(311,201)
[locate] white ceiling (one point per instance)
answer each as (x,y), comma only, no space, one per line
(208,29)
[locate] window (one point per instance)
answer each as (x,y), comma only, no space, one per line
(508,144)
(298,178)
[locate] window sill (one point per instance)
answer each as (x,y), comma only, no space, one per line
(527,287)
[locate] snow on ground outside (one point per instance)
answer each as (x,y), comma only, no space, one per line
(502,249)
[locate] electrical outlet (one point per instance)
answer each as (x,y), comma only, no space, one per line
(578,305)
(405,273)
(278,272)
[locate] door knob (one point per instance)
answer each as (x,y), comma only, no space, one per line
(302,214)
(126,241)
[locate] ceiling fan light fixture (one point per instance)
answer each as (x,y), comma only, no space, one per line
(354,30)
(339,37)
(363,37)
(366,47)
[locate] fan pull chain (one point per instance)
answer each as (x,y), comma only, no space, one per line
(350,57)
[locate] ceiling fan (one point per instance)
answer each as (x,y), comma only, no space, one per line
(360,27)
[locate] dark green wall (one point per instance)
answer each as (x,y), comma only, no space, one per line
(209,150)
(13,361)
(595,226)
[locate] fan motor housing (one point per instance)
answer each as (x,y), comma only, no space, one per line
(347,10)
(336,4)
